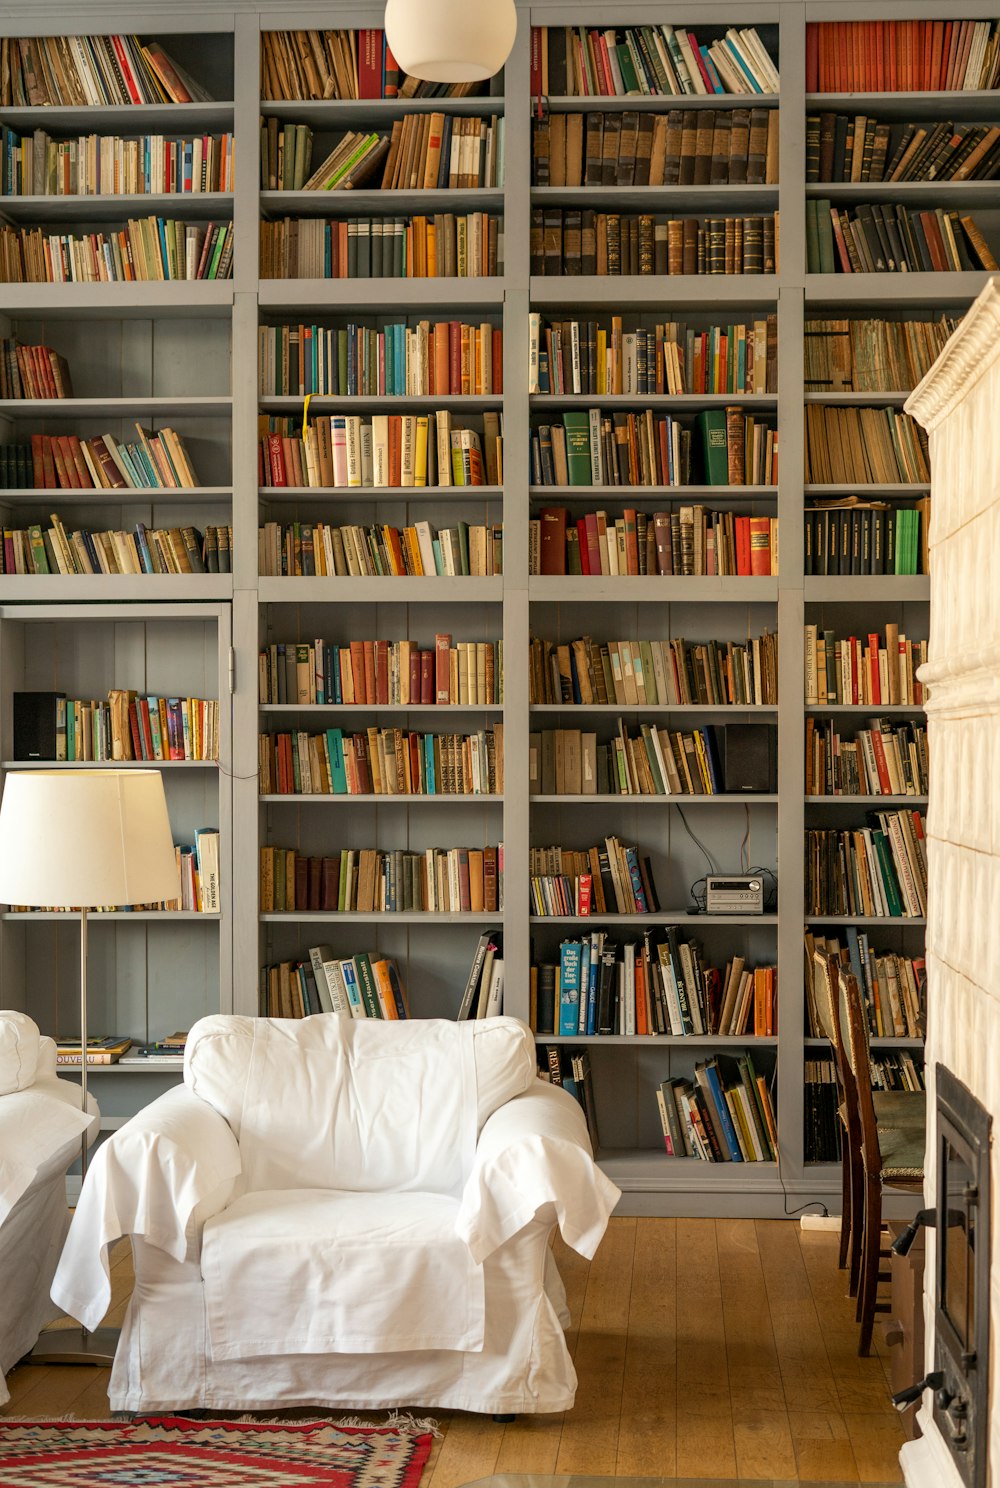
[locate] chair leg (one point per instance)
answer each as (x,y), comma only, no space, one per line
(503,1420)
(857,1221)
(868,1289)
(845,1203)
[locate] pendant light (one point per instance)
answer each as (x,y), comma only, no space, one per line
(450,41)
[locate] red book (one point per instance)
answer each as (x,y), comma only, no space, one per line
(812,58)
(37,463)
(946,34)
(496,369)
(358,672)
(362,765)
(369,63)
(881,764)
(395,450)
(414,674)
(314,893)
(631,541)
(126,69)
(605,60)
(700,62)
(536,62)
(133,723)
(490,892)
(892,57)
(592,546)
(874,684)
(301,883)
(553,542)
(276,460)
(581,532)
(370,685)
(455,356)
(426,677)
(760,546)
(838,237)
(743,547)
(147,733)
(442,668)
(330,883)
(381,671)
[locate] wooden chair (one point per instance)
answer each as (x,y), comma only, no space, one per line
(891,1157)
(893,1108)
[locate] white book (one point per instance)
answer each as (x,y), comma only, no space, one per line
(425,543)
(353,450)
(367,473)
(596,452)
(380,449)
(408,448)
(206,841)
(339,440)
(534,338)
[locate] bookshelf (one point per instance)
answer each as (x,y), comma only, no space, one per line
(185,353)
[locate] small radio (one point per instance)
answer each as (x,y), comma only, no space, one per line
(735,894)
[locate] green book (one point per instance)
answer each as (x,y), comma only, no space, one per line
(887,871)
(812,237)
(629,78)
(824,237)
(577,427)
(715,449)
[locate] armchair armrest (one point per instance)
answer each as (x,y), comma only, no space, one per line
(160,1176)
(535,1151)
(40,1132)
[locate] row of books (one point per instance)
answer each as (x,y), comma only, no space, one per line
(108,165)
(588,447)
(691,540)
(659,985)
(823,1127)
(885,759)
(344,63)
(90,71)
(890,984)
(872,670)
(388,451)
(583,356)
(864,445)
(874,239)
(381,762)
(621,62)
(652,762)
(155,461)
(567,242)
(717,148)
(32,371)
(607,879)
(197,875)
(724,1115)
(146,248)
(842,147)
(366,985)
(860,538)
(901,56)
(383,673)
(303,549)
(876,870)
(144,550)
(446,357)
(446,245)
(872,356)
(483,995)
(365,880)
(128,726)
(655,673)
(424,152)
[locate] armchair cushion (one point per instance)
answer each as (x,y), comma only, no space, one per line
(19,1041)
(367,1106)
(309,1271)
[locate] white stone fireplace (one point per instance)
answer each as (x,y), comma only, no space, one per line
(958,402)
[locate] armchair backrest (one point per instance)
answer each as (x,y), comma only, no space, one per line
(365,1106)
(19,1047)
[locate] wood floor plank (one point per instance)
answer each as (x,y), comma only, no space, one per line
(589,1441)
(530,1444)
(751,1354)
(647,1439)
(875,1441)
(705,1446)
(807,1379)
(469,1451)
(763,1443)
(860,1382)
(822,1447)
(701,1333)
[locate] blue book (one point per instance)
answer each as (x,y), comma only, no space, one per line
(338,771)
(585,952)
(593,980)
(713,1079)
(570,957)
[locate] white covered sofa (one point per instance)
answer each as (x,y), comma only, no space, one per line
(41,1126)
(338,1213)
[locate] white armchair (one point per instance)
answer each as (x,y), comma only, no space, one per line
(352,1214)
(41,1125)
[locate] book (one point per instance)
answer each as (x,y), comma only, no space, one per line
(393,360)
(105,1050)
(146,248)
(620,61)
(78,70)
(365,985)
(652,146)
(368,880)
(345,64)
(651,243)
(844,57)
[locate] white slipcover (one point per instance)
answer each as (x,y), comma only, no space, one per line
(343,1213)
(41,1125)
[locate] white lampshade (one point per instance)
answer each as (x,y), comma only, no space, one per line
(78,838)
(450,41)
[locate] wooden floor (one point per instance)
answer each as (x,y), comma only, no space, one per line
(705,1349)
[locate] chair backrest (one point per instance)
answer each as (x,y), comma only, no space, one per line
(19,1046)
(365,1106)
(826,997)
(856,1048)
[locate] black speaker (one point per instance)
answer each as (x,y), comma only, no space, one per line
(34,716)
(750,758)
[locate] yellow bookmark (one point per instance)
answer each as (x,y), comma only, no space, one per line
(305,414)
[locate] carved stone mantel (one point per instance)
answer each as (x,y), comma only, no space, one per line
(958,402)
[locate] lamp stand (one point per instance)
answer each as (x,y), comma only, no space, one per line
(77,1345)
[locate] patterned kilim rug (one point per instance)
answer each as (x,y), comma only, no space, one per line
(168,1452)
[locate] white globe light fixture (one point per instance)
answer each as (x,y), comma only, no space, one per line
(450,41)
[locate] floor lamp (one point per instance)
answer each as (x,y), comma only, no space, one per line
(75,839)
